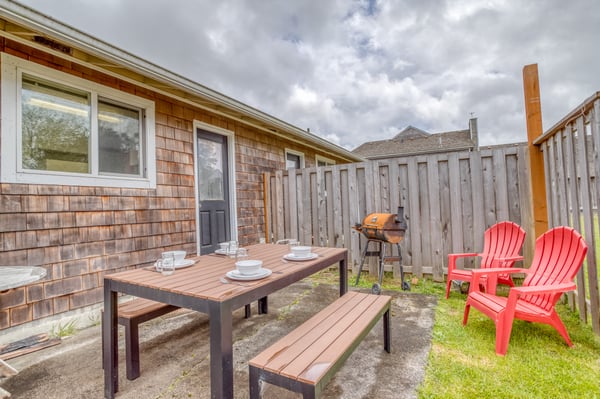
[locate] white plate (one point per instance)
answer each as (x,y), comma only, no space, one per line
(295,258)
(235,275)
(220,252)
(184,263)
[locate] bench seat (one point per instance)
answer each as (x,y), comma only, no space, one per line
(308,357)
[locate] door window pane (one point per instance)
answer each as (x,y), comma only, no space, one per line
(210,170)
(55,127)
(119,131)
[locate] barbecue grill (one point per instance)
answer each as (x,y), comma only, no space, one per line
(382,229)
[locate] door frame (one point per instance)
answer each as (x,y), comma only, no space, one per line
(231,176)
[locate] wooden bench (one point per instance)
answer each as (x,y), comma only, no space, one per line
(308,357)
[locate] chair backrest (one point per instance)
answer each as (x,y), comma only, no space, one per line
(501,240)
(559,254)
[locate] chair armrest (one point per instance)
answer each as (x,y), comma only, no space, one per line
(545,289)
(492,276)
(516,292)
(452,259)
(505,259)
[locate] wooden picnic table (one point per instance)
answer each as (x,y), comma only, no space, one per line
(200,288)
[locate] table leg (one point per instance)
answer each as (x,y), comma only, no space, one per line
(110,350)
(344,274)
(221,350)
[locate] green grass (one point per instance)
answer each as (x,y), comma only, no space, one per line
(463,362)
(64,330)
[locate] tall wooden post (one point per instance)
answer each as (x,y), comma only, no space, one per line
(533,112)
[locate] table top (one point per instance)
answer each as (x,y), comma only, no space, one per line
(205,278)
(17,276)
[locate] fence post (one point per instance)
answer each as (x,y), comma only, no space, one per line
(533,113)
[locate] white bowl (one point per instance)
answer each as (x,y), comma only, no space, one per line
(178,255)
(248,267)
(301,252)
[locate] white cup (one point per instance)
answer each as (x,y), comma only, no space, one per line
(233,248)
(241,254)
(293,243)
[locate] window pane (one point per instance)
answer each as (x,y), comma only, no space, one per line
(118,139)
(292,161)
(55,127)
(210,170)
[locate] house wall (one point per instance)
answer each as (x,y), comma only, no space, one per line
(80,233)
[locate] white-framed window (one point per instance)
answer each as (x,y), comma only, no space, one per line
(323,161)
(62,129)
(294,159)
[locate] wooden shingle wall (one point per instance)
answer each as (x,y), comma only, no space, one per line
(81,233)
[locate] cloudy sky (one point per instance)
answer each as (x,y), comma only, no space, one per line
(361,70)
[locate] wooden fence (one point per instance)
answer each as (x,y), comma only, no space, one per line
(571,166)
(449,200)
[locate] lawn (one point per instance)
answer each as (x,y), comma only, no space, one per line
(463,362)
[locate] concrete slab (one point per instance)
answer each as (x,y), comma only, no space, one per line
(175,351)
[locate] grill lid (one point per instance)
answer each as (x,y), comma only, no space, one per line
(387,227)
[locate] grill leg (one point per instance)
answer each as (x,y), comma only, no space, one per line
(405,284)
(376,288)
(381,261)
(362,261)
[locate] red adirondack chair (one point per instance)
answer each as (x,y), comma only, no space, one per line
(501,246)
(559,254)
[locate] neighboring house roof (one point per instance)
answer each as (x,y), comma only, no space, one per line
(412,140)
(38,30)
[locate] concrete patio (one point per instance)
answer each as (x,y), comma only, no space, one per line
(174,354)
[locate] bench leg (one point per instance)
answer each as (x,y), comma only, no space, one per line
(132,350)
(263,305)
(387,339)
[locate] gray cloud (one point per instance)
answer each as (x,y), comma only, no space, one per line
(353,71)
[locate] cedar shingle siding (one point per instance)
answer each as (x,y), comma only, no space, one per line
(80,233)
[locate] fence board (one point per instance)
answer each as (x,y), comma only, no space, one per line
(477,205)
(595,135)
(404,201)
(525,199)
(304,213)
(414,217)
(587,213)
(354,216)
(445,210)
(293,205)
(337,211)
(455,205)
(435,223)
(574,206)
(501,183)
